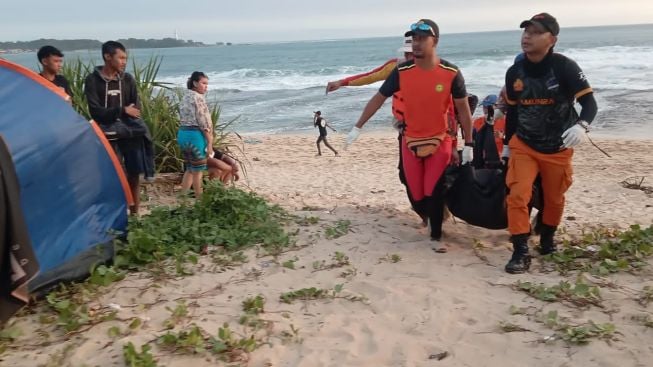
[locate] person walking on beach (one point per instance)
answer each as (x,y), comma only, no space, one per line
(427,85)
(51,60)
(322,124)
(542,128)
(114,104)
(195,135)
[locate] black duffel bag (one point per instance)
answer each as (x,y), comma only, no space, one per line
(478,196)
(124,129)
(477,192)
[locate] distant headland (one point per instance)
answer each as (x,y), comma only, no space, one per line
(89,44)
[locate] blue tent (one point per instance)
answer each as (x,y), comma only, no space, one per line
(72,189)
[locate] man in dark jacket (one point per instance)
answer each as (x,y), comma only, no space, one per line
(114,104)
(542,128)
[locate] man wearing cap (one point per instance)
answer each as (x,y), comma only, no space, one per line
(542,128)
(427,84)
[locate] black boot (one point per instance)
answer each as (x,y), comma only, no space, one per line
(547,246)
(520,260)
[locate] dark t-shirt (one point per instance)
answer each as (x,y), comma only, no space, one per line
(391,85)
(61,82)
(542,97)
(321,126)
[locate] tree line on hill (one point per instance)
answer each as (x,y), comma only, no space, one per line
(89,44)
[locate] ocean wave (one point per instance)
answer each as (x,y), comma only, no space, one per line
(610,67)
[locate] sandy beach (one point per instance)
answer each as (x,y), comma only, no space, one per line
(401,304)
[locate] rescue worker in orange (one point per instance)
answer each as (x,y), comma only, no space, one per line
(542,128)
(491,112)
(427,84)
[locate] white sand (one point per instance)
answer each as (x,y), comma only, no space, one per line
(423,305)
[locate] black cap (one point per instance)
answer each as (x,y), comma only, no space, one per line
(435,31)
(317,112)
(546,20)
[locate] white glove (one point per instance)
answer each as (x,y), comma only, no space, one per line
(506,151)
(352,136)
(574,136)
(468,155)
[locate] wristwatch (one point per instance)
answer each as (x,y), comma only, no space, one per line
(584,125)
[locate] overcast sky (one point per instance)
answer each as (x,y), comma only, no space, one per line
(285,20)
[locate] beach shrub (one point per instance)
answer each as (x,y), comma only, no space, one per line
(159,109)
(229,218)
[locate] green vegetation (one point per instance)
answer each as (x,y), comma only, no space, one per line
(580,294)
(341,228)
(578,334)
(244,219)
(603,252)
(307,294)
(134,358)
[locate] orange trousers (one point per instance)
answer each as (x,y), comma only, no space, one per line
(523,167)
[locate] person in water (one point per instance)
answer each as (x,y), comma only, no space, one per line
(322,124)
(427,84)
(542,128)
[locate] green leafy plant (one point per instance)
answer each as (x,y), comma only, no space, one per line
(580,294)
(605,251)
(306,294)
(338,260)
(290,263)
(578,334)
(244,218)
(70,304)
(254,305)
(190,341)
(103,275)
(228,343)
(177,315)
(134,358)
(341,228)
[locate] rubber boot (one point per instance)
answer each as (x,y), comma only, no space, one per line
(547,245)
(520,260)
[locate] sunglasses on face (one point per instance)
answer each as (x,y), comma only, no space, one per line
(422,27)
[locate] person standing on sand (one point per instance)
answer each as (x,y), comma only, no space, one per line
(113,99)
(322,124)
(427,85)
(542,128)
(195,135)
(51,60)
